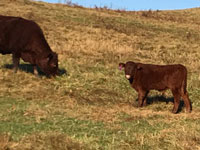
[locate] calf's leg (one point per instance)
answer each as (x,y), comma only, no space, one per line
(177,97)
(15,62)
(142,98)
(145,99)
(186,101)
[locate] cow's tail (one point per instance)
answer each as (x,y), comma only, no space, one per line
(184,82)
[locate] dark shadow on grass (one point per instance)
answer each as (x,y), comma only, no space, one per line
(62,72)
(29,69)
(161,98)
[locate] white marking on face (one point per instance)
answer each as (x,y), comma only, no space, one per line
(128,76)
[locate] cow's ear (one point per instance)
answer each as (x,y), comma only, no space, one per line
(53,65)
(53,60)
(50,61)
(50,56)
(121,66)
(139,67)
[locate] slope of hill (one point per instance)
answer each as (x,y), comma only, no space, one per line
(92,106)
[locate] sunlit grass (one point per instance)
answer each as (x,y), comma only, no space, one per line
(92,105)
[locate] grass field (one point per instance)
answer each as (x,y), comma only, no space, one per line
(92,105)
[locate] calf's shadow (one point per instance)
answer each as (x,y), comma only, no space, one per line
(161,98)
(29,69)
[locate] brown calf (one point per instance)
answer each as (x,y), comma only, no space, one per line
(146,77)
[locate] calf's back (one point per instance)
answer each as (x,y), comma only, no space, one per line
(159,77)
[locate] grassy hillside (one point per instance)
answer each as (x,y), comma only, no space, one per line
(92,106)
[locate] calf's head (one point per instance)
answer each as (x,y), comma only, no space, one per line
(49,65)
(130,69)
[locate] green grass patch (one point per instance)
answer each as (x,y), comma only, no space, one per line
(92,105)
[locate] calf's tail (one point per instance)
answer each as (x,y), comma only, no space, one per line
(184,92)
(184,85)
(184,82)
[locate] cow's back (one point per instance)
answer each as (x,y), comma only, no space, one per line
(7,24)
(15,32)
(22,36)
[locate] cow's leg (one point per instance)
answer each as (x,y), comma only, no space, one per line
(177,97)
(15,62)
(35,71)
(186,101)
(141,97)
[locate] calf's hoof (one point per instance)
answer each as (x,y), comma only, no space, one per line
(174,111)
(189,111)
(144,104)
(139,105)
(15,70)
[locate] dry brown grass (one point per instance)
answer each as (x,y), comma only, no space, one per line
(90,44)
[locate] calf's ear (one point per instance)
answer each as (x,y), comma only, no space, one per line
(121,66)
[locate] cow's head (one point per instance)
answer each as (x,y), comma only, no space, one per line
(130,69)
(49,64)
